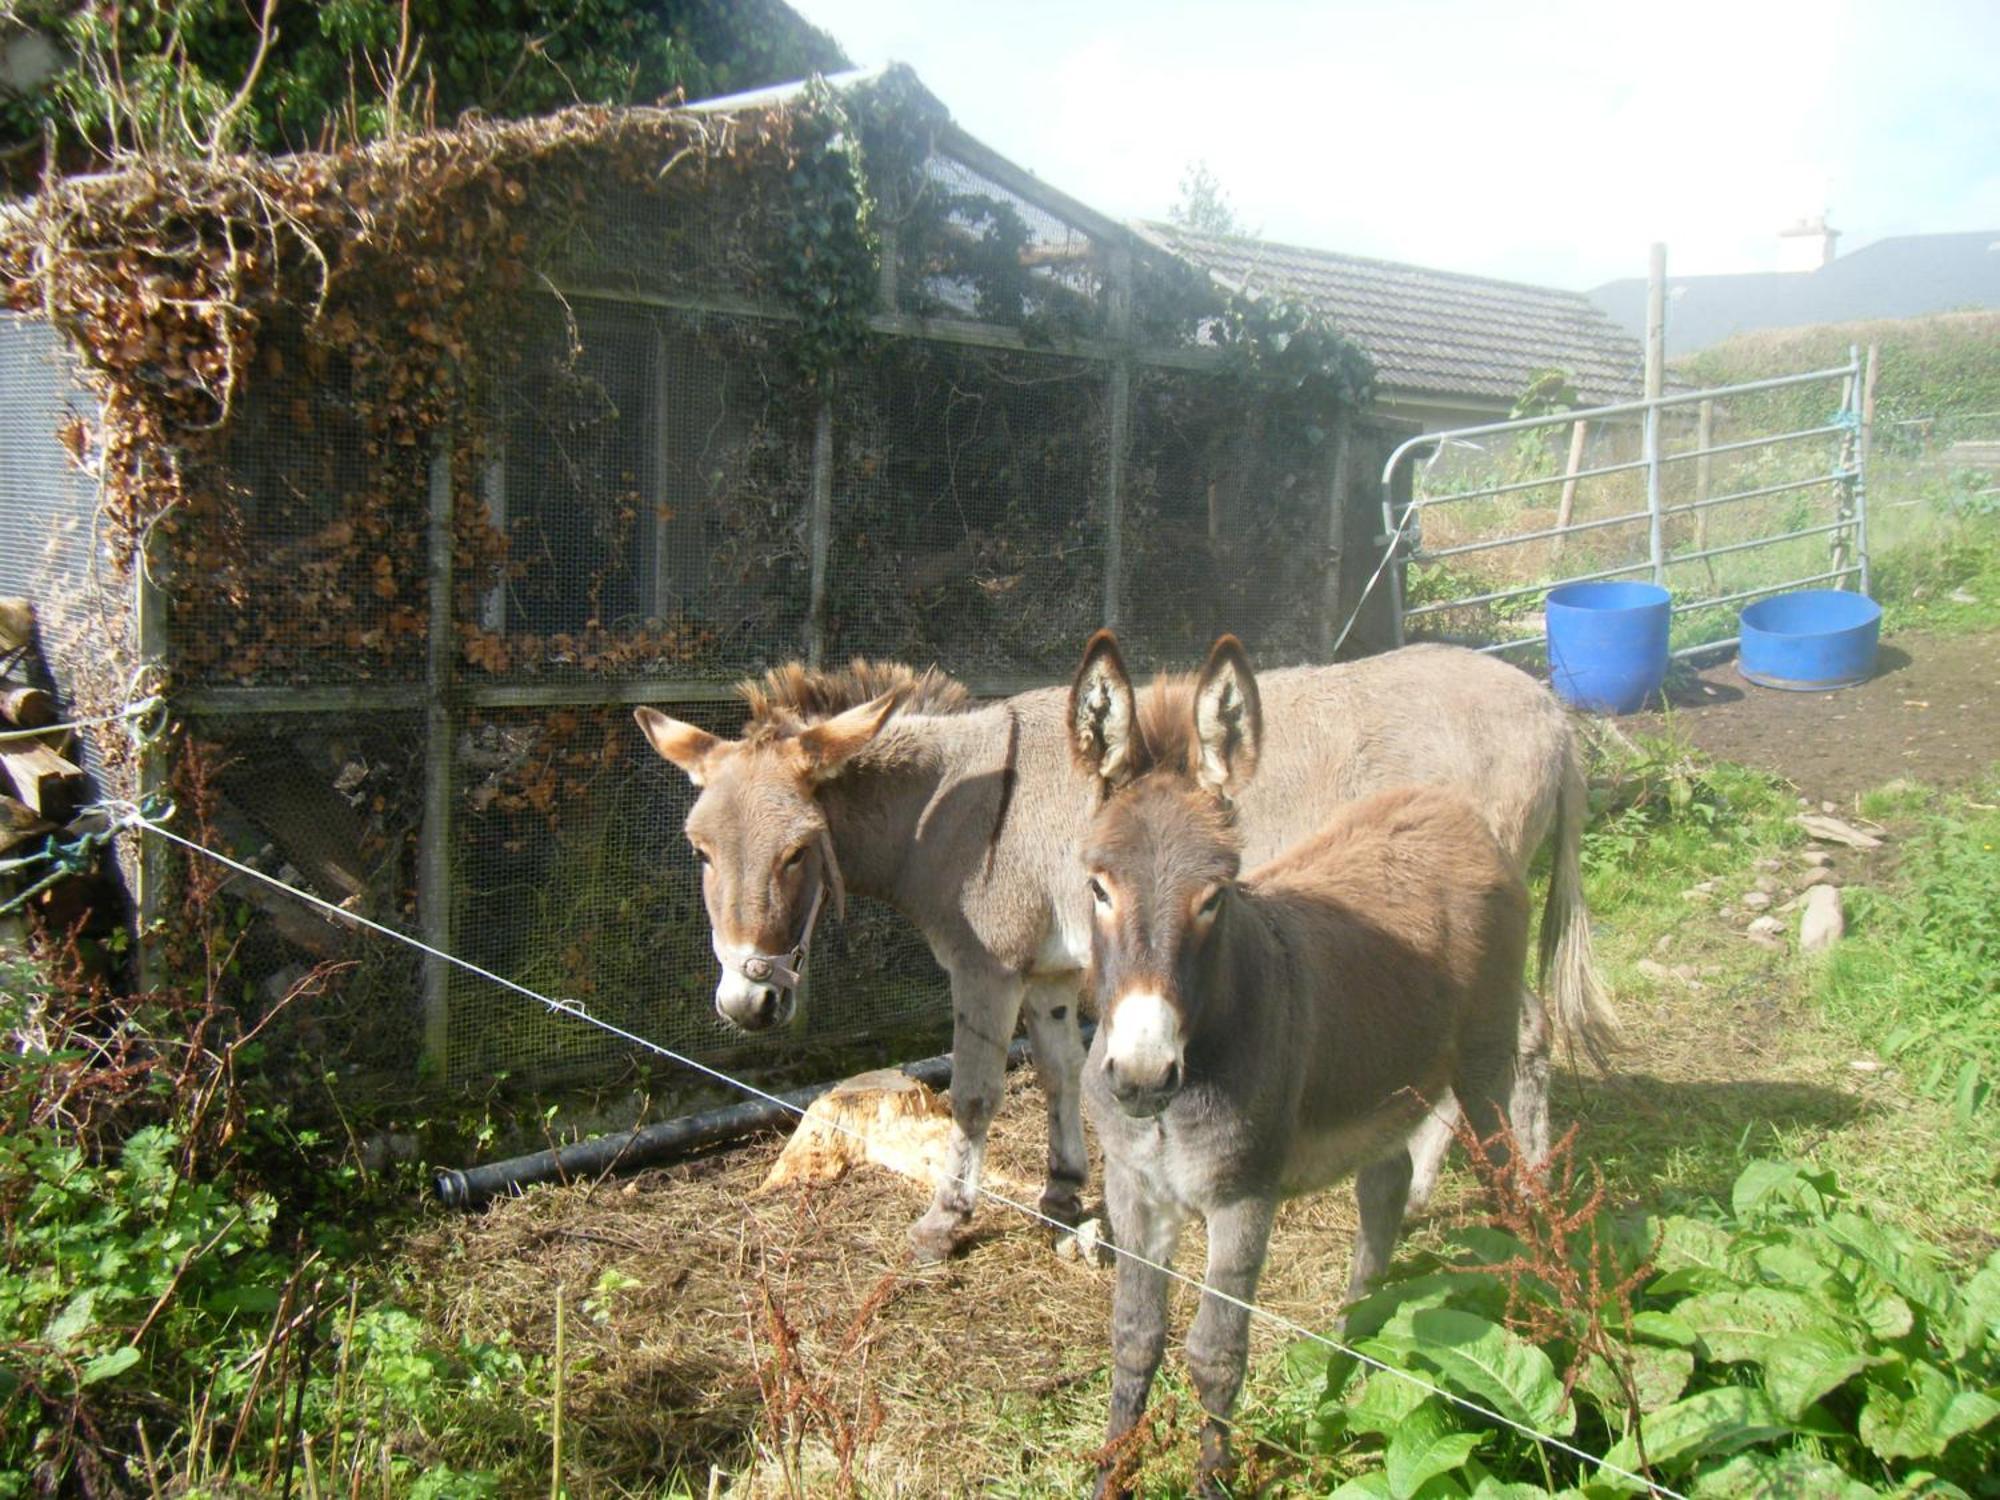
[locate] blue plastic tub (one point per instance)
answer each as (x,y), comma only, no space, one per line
(1608,644)
(1809,641)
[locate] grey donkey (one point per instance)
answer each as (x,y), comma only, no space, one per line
(1266,1035)
(966,817)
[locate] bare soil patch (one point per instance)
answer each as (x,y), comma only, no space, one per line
(1931,713)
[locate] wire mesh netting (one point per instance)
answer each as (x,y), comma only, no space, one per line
(331,805)
(968,523)
(646,510)
(973,249)
(299,555)
(1225,528)
(406,628)
(53,554)
(572,876)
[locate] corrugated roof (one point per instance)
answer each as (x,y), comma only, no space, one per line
(1436,332)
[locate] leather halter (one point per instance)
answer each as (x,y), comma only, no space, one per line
(786,969)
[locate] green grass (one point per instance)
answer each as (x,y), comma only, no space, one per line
(1921,975)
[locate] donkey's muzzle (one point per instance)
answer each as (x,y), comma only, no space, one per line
(1142,1053)
(1143,1098)
(750,1006)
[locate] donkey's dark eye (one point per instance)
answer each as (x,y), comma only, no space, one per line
(793,860)
(702,856)
(1214,902)
(1098,893)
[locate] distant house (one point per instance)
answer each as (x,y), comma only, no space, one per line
(1905,276)
(1449,349)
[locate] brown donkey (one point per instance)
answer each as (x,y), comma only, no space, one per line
(966,817)
(1268,1035)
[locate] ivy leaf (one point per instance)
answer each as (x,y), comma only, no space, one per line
(67,1326)
(1494,1366)
(109,1366)
(1915,1411)
(1713,1421)
(1427,1444)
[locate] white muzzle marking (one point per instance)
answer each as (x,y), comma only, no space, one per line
(1145,1039)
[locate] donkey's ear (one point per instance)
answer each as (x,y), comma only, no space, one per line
(1228,718)
(693,750)
(1102,722)
(831,743)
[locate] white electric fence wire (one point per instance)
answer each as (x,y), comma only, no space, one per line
(128,815)
(1388,557)
(131,711)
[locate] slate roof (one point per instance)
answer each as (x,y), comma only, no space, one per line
(1433,332)
(1905,276)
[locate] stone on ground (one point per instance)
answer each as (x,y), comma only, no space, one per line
(1824,922)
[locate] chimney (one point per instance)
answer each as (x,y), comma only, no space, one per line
(1807,245)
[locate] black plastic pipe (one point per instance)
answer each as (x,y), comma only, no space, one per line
(651,1144)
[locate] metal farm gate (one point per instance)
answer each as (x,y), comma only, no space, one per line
(442,738)
(1718,495)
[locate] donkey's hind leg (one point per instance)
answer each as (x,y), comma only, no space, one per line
(1528,1106)
(1058,1049)
(1381,1190)
(1430,1143)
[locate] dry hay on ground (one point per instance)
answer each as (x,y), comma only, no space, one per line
(966,1358)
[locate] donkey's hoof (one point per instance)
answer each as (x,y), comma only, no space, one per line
(1422,1185)
(939,1234)
(1065,1207)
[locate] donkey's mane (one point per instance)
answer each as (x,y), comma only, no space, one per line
(788,698)
(1166,724)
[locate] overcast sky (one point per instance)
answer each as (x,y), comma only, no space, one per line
(1471,137)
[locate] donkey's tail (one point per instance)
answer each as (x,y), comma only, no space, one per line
(1568,969)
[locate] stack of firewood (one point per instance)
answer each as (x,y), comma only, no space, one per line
(41,788)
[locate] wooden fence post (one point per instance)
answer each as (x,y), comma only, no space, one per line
(1118,427)
(1704,437)
(1656,369)
(434,843)
(149,608)
(1339,495)
(1579,433)
(820,533)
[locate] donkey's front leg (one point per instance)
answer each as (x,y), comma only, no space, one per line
(1219,1342)
(984,1009)
(1138,1313)
(1058,1047)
